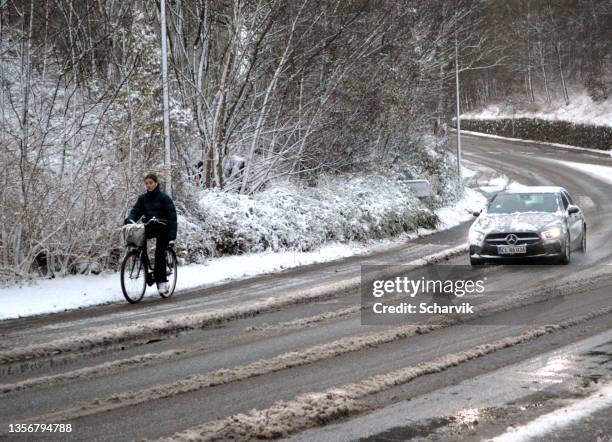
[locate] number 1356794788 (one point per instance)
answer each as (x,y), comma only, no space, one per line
(40,428)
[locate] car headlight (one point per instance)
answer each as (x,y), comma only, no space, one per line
(552,233)
(476,236)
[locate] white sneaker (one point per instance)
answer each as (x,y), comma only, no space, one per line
(162,287)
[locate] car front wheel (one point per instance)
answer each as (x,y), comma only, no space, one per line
(583,243)
(567,251)
(476,261)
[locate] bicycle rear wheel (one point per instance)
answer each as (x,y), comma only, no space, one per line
(171,272)
(133,277)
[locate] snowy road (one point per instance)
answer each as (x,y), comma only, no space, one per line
(291,345)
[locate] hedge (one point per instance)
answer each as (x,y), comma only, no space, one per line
(563,132)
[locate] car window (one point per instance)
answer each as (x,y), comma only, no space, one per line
(569,197)
(564,200)
(523,202)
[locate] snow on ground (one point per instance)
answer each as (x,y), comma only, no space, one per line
(462,211)
(552,422)
(580,110)
(467,173)
(73,292)
(603,173)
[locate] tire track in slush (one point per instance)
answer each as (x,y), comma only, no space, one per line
(226,375)
(105,369)
(317,408)
(114,367)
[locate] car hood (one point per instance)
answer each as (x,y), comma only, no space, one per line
(515,222)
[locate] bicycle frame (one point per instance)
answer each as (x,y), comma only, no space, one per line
(144,264)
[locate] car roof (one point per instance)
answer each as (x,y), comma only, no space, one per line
(535,189)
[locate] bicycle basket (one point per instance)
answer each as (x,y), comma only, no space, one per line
(134,234)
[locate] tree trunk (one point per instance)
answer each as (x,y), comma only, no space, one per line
(563,85)
(543,67)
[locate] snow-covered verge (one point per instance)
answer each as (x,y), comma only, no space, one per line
(581,109)
(73,292)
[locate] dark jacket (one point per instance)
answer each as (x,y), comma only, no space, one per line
(155,204)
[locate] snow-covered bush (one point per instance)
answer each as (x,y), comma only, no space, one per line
(348,207)
(287,216)
(428,158)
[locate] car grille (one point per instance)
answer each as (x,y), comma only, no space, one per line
(523,238)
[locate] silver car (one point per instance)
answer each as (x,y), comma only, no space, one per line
(529,222)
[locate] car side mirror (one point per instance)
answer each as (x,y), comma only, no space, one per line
(572,209)
(477,213)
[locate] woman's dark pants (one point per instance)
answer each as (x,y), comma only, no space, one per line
(160,233)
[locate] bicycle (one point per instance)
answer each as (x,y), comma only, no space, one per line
(136,269)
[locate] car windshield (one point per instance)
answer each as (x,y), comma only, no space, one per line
(524,202)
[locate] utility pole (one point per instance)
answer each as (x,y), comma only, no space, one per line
(457,109)
(167,157)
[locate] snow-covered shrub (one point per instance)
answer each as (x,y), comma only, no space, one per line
(427,158)
(287,216)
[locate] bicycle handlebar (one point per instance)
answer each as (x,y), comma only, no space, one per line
(154,219)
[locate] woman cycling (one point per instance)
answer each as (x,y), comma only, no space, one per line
(156,204)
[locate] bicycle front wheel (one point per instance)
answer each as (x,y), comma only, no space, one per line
(133,277)
(171,272)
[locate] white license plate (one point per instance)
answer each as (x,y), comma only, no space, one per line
(511,250)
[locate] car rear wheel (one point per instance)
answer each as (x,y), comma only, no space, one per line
(567,251)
